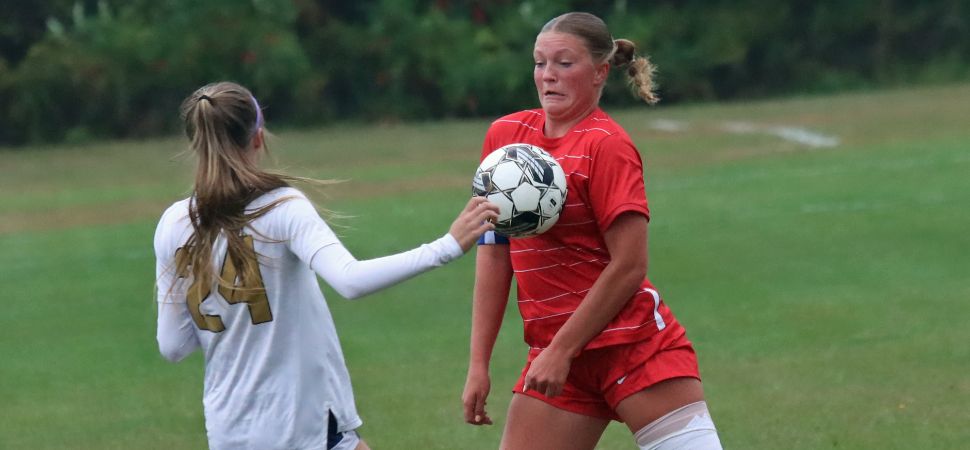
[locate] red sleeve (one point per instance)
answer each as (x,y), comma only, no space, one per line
(488,144)
(616,181)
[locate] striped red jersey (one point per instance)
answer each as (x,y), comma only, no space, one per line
(555,270)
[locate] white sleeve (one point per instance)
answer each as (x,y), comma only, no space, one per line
(313,242)
(176,330)
(305,232)
(353,279)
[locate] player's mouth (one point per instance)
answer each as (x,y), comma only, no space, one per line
(552,95)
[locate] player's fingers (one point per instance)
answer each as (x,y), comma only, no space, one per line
(487,205)
(485,420)
(470,210)
(475,413)
(475,202)
(470,206)
(467,409)
(480,413)
(469,404)
(492,214)
(540,388)
(553,389)
(531,383)
(483,213)
(483,227)
(486,211)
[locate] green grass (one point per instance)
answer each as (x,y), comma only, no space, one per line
(825,289)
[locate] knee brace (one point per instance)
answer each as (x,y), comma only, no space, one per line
(688,427)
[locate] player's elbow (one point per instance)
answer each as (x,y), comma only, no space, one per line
(351,292)
(174,351)
(172,356)
(632,272)
(638,271)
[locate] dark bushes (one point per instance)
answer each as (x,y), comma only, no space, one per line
(120,68)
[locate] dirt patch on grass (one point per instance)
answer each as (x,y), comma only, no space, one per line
(74,217)
(362,189)
(147,210)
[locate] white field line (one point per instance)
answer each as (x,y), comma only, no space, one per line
(805,136)
(669,125)
(798,135)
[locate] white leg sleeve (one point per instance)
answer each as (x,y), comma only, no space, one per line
(689,427)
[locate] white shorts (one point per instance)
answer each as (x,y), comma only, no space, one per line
(348,441)
(336,440)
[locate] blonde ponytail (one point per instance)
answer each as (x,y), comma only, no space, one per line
(221,120)
(639,70)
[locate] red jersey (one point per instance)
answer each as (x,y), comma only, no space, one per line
(555,270)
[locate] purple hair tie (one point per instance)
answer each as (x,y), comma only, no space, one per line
(259,114)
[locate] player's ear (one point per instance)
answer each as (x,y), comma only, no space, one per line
(602,72)
(258,139)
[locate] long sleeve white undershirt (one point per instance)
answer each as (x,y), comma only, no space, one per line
(176,331)
(354,279)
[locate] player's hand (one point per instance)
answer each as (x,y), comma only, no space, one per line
(547,373)
(478,217)
(477,386)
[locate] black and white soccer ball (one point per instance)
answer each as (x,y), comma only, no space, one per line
(527,184)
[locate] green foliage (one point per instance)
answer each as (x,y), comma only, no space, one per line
(119,68)
(122,71)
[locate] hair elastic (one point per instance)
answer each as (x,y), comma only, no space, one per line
(259,113)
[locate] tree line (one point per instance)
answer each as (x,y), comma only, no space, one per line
(76,70)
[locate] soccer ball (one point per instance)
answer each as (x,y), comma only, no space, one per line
(527,184)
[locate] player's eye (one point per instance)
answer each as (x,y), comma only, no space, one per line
(540,64)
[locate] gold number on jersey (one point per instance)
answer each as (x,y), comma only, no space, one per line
(253,294)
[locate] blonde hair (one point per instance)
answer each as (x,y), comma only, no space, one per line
(603,48)
(221,121)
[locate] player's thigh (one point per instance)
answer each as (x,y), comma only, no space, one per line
(650,404)
(535,425)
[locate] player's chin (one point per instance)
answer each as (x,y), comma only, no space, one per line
(552,102)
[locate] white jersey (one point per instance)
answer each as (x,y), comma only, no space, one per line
(274,368)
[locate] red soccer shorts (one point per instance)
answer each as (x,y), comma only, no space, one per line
(599,379)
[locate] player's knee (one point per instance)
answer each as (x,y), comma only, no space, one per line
(689,427)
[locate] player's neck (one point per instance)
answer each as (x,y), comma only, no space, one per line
(555,128)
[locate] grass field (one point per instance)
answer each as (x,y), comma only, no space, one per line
(825,288)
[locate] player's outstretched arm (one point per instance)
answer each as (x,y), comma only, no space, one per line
(354,279)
